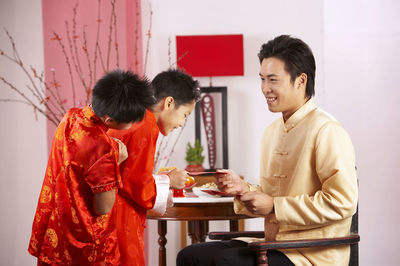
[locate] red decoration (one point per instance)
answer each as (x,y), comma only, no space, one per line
(207,109)
(210,55)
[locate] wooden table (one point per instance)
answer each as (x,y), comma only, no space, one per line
(197,214)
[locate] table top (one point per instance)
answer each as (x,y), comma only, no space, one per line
(202,207)
(198,196)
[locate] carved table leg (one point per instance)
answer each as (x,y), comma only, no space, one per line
(197,230)
(233,225)
(192,232)
(201,230)
(162,240)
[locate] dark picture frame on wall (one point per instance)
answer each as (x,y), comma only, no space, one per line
(218,95)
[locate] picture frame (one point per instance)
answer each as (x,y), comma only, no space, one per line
(219,96)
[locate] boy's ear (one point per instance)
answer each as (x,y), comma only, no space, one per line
(107,120)
(169,103)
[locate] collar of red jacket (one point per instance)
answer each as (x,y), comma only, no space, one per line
(91,116)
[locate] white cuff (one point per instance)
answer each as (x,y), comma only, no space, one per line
(162,189)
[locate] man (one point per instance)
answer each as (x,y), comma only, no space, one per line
(74,222)
(308,183)
(176,94)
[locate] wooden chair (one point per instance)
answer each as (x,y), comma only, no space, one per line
(262,247)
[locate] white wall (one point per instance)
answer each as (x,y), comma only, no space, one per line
(23,153)
(356,47)
(362,90)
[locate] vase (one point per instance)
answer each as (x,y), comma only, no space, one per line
(194,168)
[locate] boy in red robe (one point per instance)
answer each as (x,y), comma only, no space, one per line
(74,222)
(176,94)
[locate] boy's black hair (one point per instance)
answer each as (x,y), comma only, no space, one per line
(297,56)
(177,84)
(123,96)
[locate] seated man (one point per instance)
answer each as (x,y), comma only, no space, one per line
(308,183)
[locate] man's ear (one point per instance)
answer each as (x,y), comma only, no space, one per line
(169,103)
(301,81)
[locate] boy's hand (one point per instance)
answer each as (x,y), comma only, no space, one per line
(177,178)
(122,151)
(230,182)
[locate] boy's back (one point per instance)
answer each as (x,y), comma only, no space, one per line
(83,160)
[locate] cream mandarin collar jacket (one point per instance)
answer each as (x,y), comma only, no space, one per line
(308,166)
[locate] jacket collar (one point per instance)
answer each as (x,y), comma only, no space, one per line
(93,118)
(299,115)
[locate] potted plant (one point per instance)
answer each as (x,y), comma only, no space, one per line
(194,157)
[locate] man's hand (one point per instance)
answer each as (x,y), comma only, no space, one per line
(257,202)
(122,151)
(177,178)
(273,227)
(230,182)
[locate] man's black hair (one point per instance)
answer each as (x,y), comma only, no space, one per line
(297,56)
(123,96)
(177,84)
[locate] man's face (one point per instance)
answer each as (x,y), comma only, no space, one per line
(171,118)
(281,94)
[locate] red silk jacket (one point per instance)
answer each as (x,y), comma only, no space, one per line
(83,161)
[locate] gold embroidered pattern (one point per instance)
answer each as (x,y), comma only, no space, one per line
(37,218)
(34,243)
(67,256)
(52,237)
(59,132)
(102,220)
(90,253)
(87,123)
(74,217)
(49,172)
(52,217)
(45,196)
(78,135)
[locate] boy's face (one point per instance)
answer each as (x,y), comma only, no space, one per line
(171,117)
(281,94)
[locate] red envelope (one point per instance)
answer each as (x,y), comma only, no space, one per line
(201,173)
(215,192)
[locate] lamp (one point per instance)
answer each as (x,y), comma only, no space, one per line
(210,55)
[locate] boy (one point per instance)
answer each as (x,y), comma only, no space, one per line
(73,224)
(176,94)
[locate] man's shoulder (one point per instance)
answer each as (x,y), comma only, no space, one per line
(324,115)
(322,122)
(319,117)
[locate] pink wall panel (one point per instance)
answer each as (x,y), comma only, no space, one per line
(71,60)
(70,56)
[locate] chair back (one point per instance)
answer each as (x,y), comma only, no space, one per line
(354,248)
